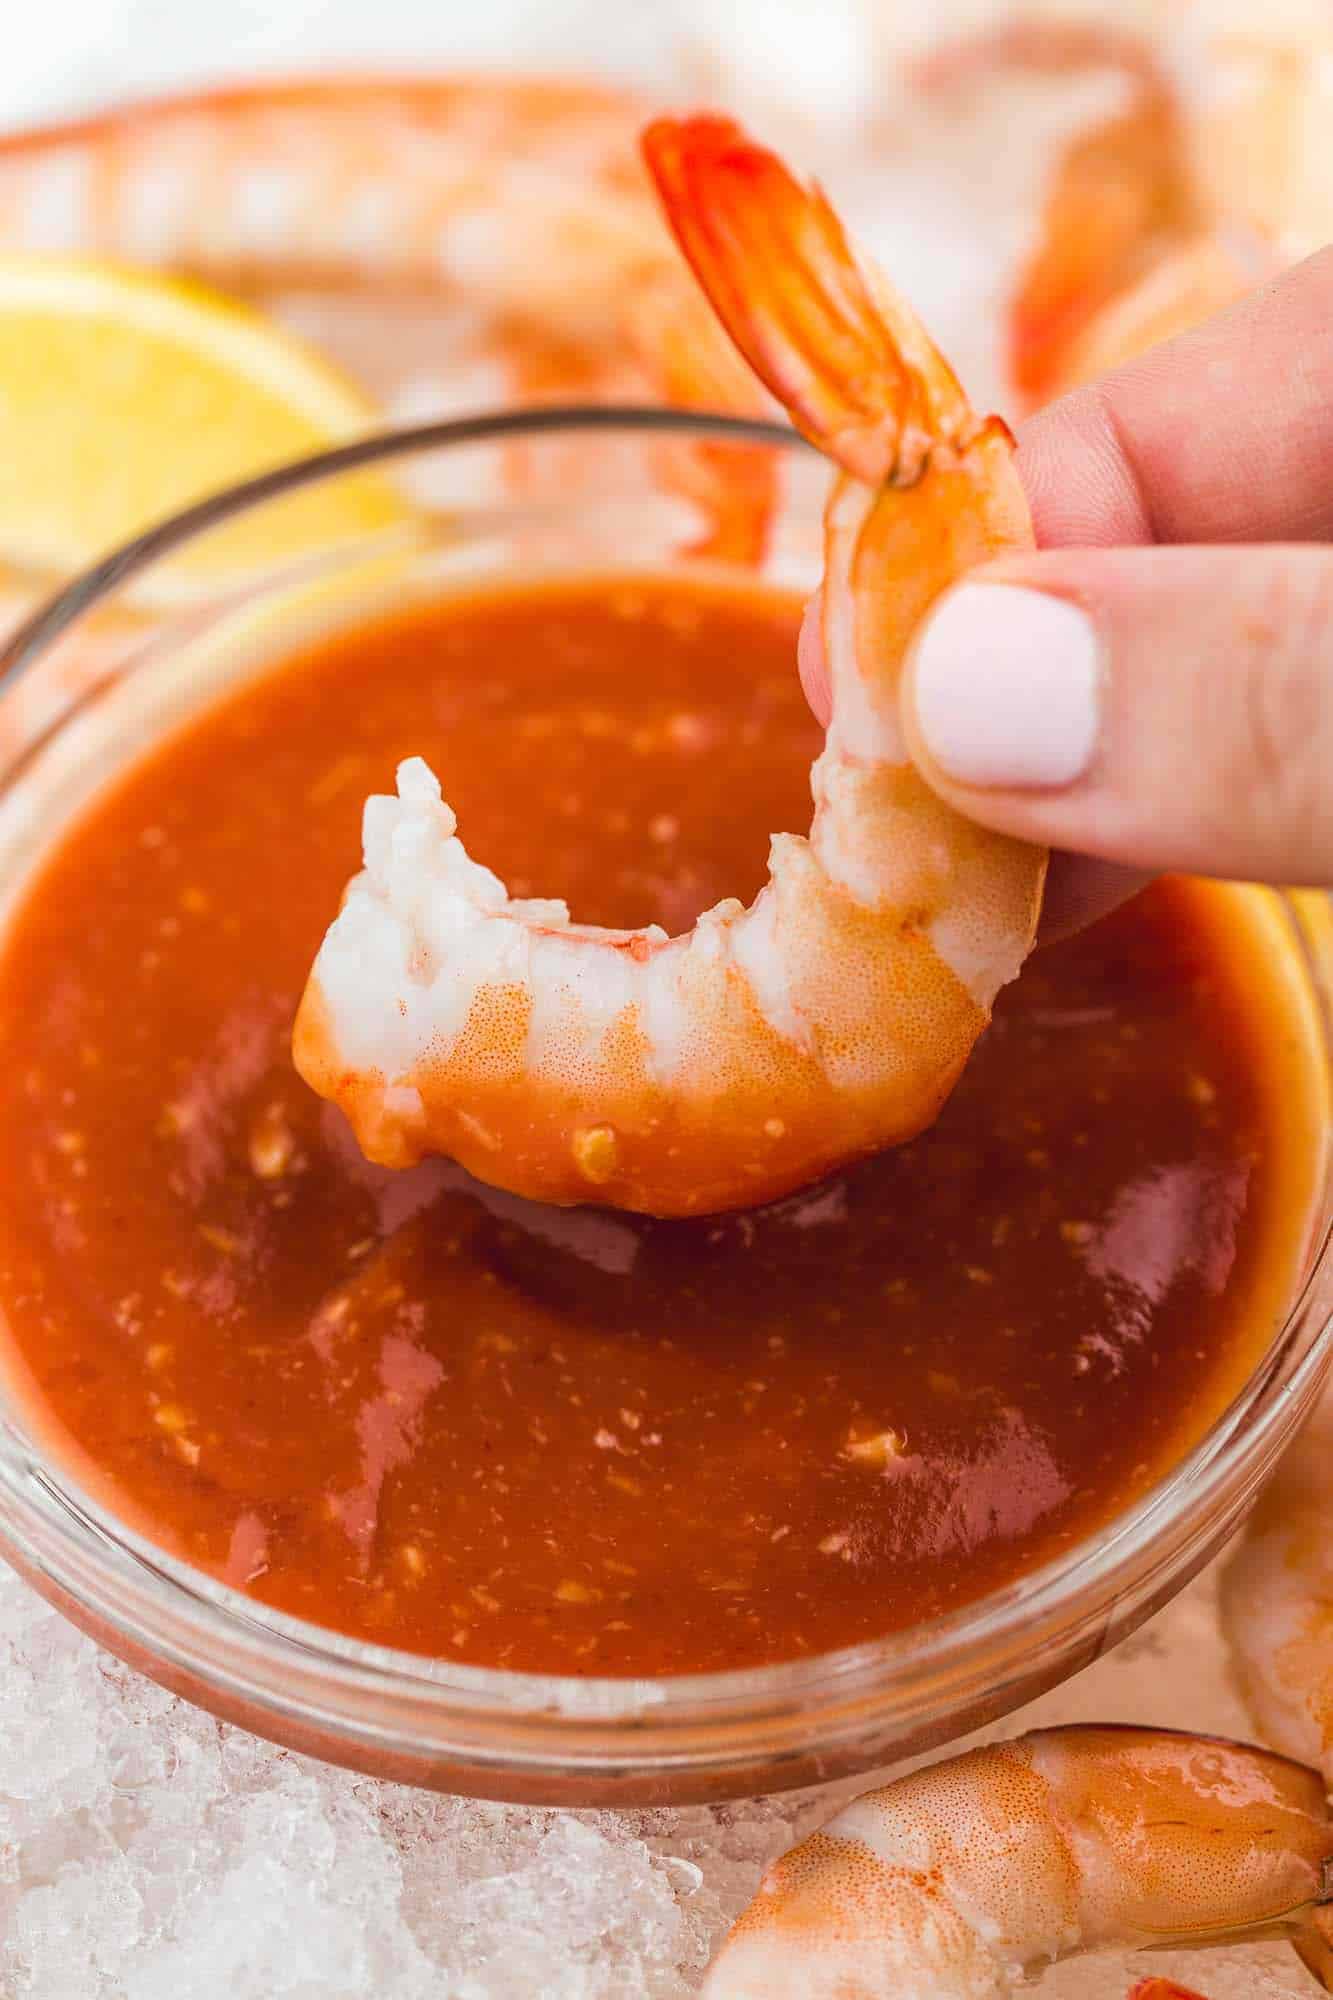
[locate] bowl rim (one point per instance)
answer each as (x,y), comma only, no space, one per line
(83,591)
(199,1624)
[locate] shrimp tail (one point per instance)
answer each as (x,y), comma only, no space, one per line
(1161,1989)
(847,358)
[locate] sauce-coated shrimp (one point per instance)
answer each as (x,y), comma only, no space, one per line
(832,1017)
(968,1877)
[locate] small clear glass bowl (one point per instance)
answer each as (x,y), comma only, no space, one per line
(130,650)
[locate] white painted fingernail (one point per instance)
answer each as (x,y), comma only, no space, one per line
(1006,687)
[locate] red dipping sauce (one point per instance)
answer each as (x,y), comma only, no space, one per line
(432,1415)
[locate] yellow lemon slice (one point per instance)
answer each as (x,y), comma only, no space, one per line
(125,396)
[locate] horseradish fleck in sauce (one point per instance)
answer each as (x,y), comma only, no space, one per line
(434,1416)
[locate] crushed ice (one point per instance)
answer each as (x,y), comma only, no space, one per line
(148,1852)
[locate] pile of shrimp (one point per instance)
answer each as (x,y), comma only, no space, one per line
(471,241)
(465,242)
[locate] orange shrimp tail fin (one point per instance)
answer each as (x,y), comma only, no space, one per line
(1162,1989)
(845,358)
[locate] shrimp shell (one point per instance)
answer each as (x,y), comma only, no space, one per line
(963,1880)
(768,1045)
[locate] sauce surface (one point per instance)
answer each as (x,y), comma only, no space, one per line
(431,1415)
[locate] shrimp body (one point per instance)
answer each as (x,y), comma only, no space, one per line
(831,1017)
(964,1879)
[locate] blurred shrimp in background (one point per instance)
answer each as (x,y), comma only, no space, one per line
(1065,148)
(451,209)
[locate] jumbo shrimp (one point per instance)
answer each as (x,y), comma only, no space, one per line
(832,1017)
(966,1879)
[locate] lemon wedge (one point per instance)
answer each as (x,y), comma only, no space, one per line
(125,396)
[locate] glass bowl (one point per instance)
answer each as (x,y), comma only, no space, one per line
(146,637)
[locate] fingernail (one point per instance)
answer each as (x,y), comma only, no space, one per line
(1006,687)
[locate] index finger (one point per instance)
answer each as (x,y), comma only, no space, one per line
(1224,434)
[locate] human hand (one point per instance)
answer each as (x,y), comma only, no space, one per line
(1144,693)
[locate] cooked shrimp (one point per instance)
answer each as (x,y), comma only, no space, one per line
(1161,1989)
(832,1017)
(526,192)
(1215,173)
(1277,1604)
(503,229)
(1121,195)
(964,1879)
(1183,287)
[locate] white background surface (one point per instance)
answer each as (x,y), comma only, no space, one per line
(67,54)
(147,1853)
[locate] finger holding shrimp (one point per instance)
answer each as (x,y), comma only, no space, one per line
(1152,707)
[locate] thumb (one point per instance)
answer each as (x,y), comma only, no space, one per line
(1167,708)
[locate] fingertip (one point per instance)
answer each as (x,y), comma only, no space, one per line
(1080,484)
